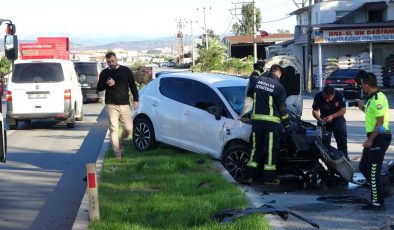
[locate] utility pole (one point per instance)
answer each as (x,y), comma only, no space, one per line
(234,13)
(310,61)
(192,42)
(180,26)
(205,27)
(254,33)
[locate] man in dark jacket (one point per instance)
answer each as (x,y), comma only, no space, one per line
(268,116)
(116,80)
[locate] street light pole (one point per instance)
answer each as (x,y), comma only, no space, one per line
(192,42)
(205,30)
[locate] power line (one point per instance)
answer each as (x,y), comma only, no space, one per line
(277,19)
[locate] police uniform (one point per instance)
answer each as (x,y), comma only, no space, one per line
(269,109)
(372,158)
(338,124)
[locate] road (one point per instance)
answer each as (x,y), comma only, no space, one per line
(329,215)
(41,185)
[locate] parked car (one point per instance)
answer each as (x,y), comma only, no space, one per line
(171,64)
(43,89)
(88,74)
(345,80)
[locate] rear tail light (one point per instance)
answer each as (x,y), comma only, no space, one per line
(350,81)
(67,94)
(8,96)
(327,81)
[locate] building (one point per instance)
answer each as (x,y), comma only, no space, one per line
(242,46)
(347,34)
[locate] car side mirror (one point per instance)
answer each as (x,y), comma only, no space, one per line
(11,47)
(214,110)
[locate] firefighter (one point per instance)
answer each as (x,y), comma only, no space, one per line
(377,119)
(269,113)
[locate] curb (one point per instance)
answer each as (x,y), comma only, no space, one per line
(82,218)
(254,199)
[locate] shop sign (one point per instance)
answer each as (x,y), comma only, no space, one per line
(354,35)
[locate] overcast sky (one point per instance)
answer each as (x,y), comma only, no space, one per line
(142,19)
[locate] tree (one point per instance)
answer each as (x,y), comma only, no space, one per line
(5,66)
(245,25)
(212,59)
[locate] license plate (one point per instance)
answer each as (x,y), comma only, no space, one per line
(339,89)
(37,96)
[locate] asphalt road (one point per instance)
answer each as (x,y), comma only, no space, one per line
(41,185)
(329,215)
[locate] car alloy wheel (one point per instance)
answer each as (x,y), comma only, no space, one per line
(143,135)
(234,161)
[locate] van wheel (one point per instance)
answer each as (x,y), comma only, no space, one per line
(80,118)
(71,121)
(143,135)
(234,160)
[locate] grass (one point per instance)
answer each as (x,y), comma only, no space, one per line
(167,189)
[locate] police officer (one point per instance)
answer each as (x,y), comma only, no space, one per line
(328,109)
(269,111)
(377,121)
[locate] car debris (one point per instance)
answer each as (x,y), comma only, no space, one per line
(228,215)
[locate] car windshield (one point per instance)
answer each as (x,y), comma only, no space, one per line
(235,96)
(349,73)
(37,73)
(86,68)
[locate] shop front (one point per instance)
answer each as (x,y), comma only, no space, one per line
(355,46)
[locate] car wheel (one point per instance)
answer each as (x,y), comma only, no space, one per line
(71,121)
(234,160)
(143,135)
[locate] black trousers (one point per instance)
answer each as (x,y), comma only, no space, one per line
(265,150)
(340,134)
(371,166)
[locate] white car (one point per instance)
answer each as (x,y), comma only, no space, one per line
(43,89)
(200,112)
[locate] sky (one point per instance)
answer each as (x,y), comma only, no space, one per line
(136,20)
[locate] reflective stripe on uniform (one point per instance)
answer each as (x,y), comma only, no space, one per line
(251,163)
(254,103)
(373,184)
(269,165)
(263,117)
(285,116)
(270,104)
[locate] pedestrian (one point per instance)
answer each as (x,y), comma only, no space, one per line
(377,121)
(268,116)
(116,80)
(329,108)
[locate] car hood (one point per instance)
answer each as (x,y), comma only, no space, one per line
(292,80)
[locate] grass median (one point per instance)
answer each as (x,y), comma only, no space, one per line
(167,188)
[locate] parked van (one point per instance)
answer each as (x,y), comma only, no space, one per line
(88,75)
(43,89)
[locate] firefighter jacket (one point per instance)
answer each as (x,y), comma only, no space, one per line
(269,99)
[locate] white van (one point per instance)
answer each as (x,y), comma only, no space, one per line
(43,89)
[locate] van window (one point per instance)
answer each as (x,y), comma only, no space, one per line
(86,68)
(37,73)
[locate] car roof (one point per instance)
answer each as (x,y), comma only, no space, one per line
(42,60)
(215,80)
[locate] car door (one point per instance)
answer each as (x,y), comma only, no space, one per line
(167,109)
(200,130)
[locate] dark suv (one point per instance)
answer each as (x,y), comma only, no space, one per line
(88,74)
(345,80)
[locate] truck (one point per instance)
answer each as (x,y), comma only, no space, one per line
(11,53)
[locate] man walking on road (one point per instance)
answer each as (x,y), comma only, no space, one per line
(116,80)
(379,137)
(269,111)
(329,106)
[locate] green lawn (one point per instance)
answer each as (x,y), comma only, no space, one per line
(167,189)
